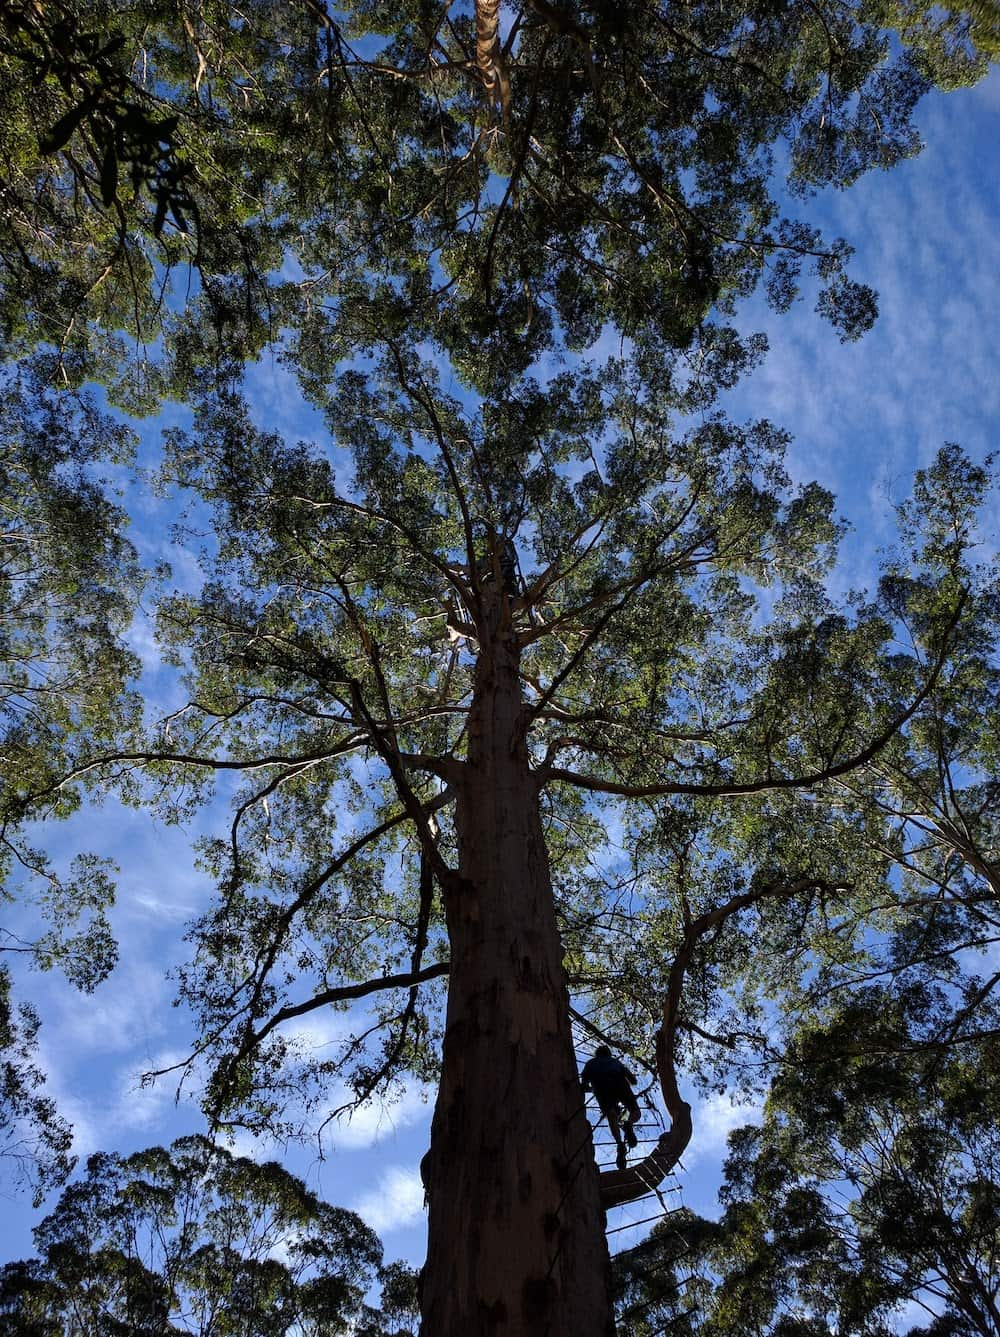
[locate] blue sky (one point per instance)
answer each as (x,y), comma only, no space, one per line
(863,417)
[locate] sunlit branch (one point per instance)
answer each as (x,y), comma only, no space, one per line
(393,522)
(628,586)
(554,572)
(260,796)
(426,401)
(248,702)
(491,64)
(725,1041)
(578,655)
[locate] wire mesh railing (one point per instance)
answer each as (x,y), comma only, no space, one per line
(638,1234)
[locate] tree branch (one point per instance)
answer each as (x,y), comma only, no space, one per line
(621,1186)
(596,785)
(266,960)
(150,758)
(344,993)
(347,993)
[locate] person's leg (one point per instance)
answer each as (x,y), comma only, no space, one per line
(610,1112)
(614,1123)
(634,1117)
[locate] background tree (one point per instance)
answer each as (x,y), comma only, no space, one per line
(36,1140)
(195,1240)
(68,584)
(873,1180)
(652,1279)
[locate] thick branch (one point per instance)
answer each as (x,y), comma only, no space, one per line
(490,61)
(629,585)
(393,522)
(149,758)
(384,739)
(344,993)
(596,785)
(577,657)
(621,1186)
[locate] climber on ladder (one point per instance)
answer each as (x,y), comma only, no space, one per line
(611,1083)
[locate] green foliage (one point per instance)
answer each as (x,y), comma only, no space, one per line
(68,581)
(34,1141)
(628,186)
(874,1179)
(651,1278)
(195,1240)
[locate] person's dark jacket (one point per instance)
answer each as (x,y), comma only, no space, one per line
(607,1078)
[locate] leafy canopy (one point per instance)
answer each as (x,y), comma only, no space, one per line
(310,161)
(512,314)
(68,583)
(192,1239)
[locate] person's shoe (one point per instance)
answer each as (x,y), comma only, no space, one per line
(630,1136)
(622,1157)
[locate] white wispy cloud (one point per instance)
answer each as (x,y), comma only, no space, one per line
(73,1106)
(277,405)
(140,1103)
(712,1122)
(863,417)
(395,1202)
(377,1121)
(128,1012)
(141,640)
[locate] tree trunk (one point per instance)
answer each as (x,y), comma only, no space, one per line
(490,60)
(516,1230)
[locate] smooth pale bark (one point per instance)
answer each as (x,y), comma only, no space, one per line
(490,61)
(516,1230)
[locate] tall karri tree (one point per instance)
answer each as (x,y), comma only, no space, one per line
(492,659)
